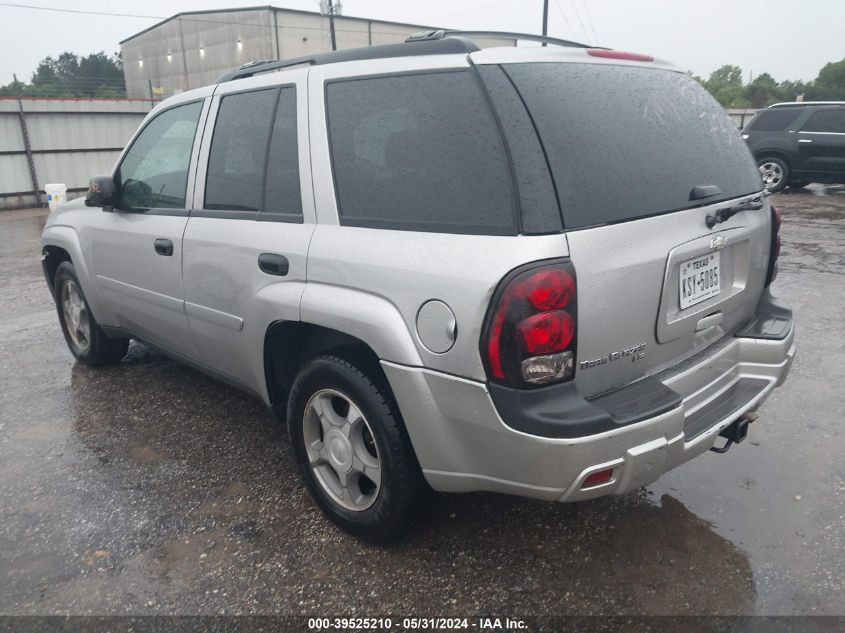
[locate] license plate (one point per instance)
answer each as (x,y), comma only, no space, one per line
(699,279)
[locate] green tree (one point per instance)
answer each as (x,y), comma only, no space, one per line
(791,90)
(727,74)
(725,84)
(12,89)
(830,84)
(69,75)
(763,91)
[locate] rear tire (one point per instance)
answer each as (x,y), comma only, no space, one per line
(774,171)
(84,336)
(350,443)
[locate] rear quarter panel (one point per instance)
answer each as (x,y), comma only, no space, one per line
(372,282)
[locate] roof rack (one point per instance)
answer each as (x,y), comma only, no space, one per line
(434,42)
(801,103)
(432,46)
(425,36)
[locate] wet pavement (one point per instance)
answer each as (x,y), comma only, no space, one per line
(148,488)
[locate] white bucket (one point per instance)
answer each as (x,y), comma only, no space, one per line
(56,195)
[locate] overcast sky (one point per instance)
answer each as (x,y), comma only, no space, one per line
(786,39)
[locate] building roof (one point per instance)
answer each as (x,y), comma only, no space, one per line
(266,8)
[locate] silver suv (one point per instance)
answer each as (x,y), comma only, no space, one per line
(541,271)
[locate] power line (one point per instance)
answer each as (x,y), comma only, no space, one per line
(580,21)
(565,19)
(118,15)
(590,20)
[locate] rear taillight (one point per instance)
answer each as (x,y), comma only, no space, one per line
(529,335)
(611,54)
(774,251)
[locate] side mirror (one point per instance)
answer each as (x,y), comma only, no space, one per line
(101,192)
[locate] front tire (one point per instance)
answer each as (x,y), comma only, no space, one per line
(84,336)
(352,449)
(774,171)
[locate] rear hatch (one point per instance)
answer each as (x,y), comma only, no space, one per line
(640,156)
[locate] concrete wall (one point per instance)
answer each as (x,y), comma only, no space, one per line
(70,139)
(192,50)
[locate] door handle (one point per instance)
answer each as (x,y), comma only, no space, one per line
(273,264)
(805,140)
(163,247)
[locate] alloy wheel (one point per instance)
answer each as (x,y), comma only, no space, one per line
(771,173)
(76,315)
(341,450)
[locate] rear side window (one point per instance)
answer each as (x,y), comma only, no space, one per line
(238,150)
(625,142)
(419,152)
(774,120)
(253,164)
(282,198)
(826,121)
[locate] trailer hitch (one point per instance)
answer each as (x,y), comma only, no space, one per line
(735,432)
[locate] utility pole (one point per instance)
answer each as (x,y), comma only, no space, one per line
(545,18)
(331,24)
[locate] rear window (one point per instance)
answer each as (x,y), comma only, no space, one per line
(419,152)
(774,120)
(626,142)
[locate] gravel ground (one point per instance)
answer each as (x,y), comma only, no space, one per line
(148,488)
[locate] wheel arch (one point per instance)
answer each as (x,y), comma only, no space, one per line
(290,344)
(61,243)
(52,257)
(776,153)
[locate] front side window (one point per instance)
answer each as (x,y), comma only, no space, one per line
(831,121)
(154,172)
(419,152)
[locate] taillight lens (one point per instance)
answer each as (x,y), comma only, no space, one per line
(547,332)
(529,336)
(774,251)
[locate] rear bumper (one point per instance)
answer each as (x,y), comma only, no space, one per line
(464,445)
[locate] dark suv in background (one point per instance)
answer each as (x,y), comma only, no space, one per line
(798,143)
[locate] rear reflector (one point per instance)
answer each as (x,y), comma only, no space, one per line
(598,478)
(609,54)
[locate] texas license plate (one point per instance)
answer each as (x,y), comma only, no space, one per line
(699,279)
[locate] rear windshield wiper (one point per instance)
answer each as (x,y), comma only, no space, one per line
(722,215)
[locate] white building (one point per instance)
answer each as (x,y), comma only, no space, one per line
(193,49)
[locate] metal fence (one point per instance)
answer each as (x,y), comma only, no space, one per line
(52,140)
